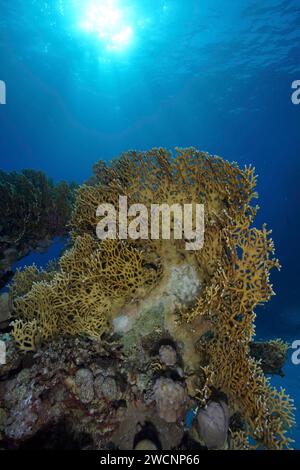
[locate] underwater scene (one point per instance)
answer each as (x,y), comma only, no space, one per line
(149,225)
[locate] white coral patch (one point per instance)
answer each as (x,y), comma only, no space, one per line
(184,284)
(122,324)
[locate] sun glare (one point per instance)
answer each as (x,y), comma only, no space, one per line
(106,20)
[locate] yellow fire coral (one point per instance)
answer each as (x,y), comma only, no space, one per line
(92,281)
(25,334)
(96,278)
(24,280)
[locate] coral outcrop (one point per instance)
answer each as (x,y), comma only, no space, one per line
(141,289)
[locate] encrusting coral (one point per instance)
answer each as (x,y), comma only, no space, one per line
(96,279)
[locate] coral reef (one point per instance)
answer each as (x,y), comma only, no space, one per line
(25,278)
(154,293)
(33,211)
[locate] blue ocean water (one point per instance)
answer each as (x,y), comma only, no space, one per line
(215,75)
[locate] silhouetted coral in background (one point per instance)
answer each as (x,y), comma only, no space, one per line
(33,211)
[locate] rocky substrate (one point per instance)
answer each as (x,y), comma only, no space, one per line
(80,393)
(80,384)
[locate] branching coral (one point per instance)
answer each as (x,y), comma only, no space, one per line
(239,283)
(96,278)
(24,280)
(93,279)
(239,441)
(26,334)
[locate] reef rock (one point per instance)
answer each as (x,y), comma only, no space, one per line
(170,399)
(167,355)
(213,422)
(106,387)
(19,395)
(85,384)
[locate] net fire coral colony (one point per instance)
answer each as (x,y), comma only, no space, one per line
(149,293)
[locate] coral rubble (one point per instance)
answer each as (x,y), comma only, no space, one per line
(185,319)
